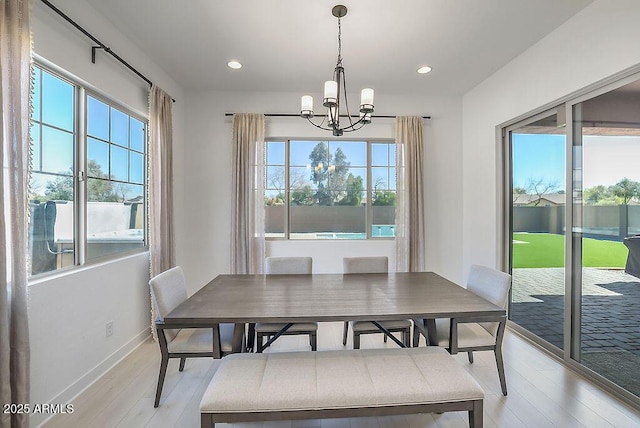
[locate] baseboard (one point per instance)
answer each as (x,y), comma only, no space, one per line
(79,386)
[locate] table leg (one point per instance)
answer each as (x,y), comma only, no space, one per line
(238,335)
(217,351)
(432,336)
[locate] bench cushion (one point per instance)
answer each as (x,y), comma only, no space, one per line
(326,380)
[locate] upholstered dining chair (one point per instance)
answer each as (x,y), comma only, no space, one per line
(352,265)
(474,335)
(168,290)
(287,266)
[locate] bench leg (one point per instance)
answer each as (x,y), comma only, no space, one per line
(313,341)
(206,421)
(356,340)
(182,361)
(470,354)
(475,415)
(345,331)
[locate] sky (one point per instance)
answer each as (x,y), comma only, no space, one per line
(606,159)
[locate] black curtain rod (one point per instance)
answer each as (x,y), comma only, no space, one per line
(98,42)
(342,115)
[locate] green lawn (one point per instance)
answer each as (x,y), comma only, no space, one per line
(533,250)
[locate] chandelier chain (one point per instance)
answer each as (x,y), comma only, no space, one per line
(339,63)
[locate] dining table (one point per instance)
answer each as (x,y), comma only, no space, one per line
(247,298)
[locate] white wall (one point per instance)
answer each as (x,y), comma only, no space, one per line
(598,42)
(208,179)
(68,311)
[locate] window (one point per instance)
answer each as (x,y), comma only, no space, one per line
(87,189)
(330,189)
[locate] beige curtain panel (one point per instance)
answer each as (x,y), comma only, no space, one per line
(15,60)
(247,216)
(161,230)
(410,234)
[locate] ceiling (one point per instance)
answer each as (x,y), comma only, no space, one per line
(291,45)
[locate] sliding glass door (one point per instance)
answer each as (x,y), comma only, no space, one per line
(606,141)
(537,253)
(572,174)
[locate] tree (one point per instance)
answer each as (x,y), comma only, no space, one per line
(99,188)
(354,189)
(385,198)
(540,187)
(596,194)
(626,190)
(303,196)
(329,173)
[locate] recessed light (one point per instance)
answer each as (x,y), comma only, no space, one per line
(424,69)
(234,64)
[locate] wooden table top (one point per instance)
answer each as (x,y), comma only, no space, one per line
(328,297)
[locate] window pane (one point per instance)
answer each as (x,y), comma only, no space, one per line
(98,158)
(136,168)
(274,213)
(353,153)
(275,153)
(35,147)
(57,150)
(119,128)
(57,102)
(275,177)
(36,94)
(119,163)
(115,217)
(327,222)
(51,223)
(301,150)
(379,154)
(97,119)
(136,135)
(380,178)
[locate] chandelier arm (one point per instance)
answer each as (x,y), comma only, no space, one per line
(352,128)
(319,126)
(346,99)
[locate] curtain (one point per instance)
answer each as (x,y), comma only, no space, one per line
(15,60)
(410,236)
(247,216)
(161,233)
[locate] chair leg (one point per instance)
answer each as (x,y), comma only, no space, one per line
(500,365)
(470,354)
(356,340)
(182,361)
(259,343)
(345,331)
(313,341)
(416,337)
(163,372)
(385,338)
(406,337)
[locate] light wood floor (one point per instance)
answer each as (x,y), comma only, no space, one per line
(542,393)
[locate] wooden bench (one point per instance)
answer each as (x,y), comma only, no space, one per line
(339,384)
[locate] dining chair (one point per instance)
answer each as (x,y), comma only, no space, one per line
(168,290)
(468,335)
(287,266)
(352,265)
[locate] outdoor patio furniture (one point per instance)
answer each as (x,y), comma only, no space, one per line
(633,259)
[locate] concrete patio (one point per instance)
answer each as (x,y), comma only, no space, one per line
(610,317)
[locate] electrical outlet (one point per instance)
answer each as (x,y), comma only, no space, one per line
(109,328)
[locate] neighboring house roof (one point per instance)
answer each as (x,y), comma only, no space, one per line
(552,199)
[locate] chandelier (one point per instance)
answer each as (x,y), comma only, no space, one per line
(332,98)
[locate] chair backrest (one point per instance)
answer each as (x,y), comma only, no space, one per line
(288,265)
(492,285)
(168,290)
(365,264)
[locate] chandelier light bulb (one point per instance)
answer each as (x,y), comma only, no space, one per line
(330,93)
(306,108)
(366,100)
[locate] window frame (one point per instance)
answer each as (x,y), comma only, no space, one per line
(82,91)
(368,190)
